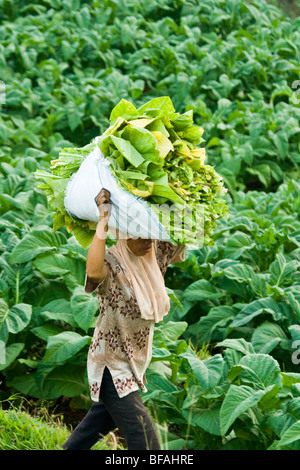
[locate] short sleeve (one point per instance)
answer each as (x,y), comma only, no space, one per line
(167,253)
(101,288)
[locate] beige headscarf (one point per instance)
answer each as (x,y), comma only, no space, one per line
(146,279)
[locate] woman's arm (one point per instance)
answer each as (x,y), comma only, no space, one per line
(95,267)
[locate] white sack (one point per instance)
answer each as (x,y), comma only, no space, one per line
(129,214)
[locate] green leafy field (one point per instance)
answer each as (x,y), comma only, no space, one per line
(225,371)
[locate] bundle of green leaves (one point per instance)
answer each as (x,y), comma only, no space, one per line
(153,153)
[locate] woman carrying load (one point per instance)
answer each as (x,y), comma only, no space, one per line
(129,281)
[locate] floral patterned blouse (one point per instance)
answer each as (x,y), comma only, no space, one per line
(122,340)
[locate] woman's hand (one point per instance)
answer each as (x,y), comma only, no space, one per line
(95,267)
(103,203)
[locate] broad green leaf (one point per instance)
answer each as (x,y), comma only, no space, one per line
(46,330)
(74,114)
(174,444)
(193,396)
(26,384)
(239,344)
(270,400)
(127,150)
(192,134)
(294,303)
(237,244)
(235,371)
(123,109)
(159,354)
(20,201)
(158,383)
(143,141)
(255,308)
(202,290)
(84,307)
(164,144)
(259,285)
(60,265)
(280,269)
(169,331)
(216,319)
(263,172)
(163,103)
(39,240)
(63,346)
(112,130)
(291,435)
(280,90)
(2,353)
(293,407)
(207,372)
(295,332)
(265,368)
(281,144)
(12,351)
(163,189)
(239,222)
(159,124)
(16,318)
(143,189)
(239,272)
(279,421)
(140,122)
(4,312)
(173,297)
(54,188)
(290,378)
(207,419)
(67,380)
(218,268)
(131,175)
(237,401)
(183,121)
(232,358)
(266,337)
(58,309)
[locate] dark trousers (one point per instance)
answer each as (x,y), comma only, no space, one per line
(128,414)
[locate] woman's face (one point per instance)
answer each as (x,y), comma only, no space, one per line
(140,246)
